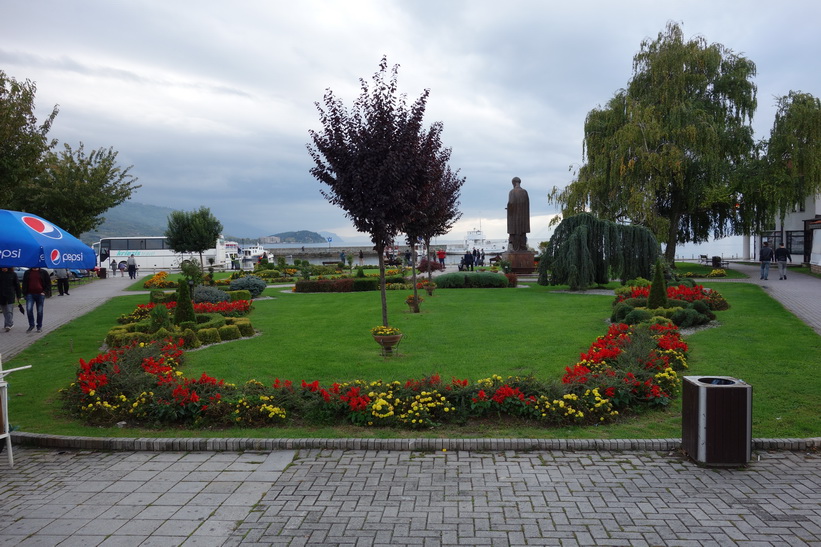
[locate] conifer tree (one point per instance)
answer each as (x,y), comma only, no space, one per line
(185,307)
(658,290)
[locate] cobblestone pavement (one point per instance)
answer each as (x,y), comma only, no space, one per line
(348,497)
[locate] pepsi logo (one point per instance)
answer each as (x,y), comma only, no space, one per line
(55,256)
(42,227)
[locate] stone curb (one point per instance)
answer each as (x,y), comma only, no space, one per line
(242,444)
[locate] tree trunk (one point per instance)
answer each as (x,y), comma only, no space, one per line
(672,236)
(413,277)
(427,252)
(380,249)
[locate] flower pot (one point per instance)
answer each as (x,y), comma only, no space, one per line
(429,291)
(388,342)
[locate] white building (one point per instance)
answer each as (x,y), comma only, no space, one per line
(798,233)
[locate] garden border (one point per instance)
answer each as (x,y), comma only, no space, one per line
(194,444)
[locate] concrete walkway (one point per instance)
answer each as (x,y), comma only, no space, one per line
(485,492)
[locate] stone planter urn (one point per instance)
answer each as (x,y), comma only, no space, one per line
(388,342)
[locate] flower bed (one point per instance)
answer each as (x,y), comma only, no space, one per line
(142,384)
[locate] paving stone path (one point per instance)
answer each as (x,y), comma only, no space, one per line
(353,498)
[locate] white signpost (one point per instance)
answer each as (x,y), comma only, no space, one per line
(5,436)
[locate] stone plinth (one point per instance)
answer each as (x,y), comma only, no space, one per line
(521,262)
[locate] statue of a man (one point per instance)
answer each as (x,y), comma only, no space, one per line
(518,217)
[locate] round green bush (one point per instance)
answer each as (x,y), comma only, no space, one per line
(637,316)
(620,312)
(229,332)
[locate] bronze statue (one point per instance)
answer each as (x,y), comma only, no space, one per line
(518,217)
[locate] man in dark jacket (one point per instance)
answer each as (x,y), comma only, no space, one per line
(781,256)
(36,286)
(9,295)
(765,256)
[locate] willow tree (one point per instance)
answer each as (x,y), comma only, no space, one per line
(664,152)
(790,164)
(367,155)
(585,250)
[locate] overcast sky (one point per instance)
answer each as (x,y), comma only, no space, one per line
(211,101)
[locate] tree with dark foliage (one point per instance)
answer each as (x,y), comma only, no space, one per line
(436,206)
(369,157)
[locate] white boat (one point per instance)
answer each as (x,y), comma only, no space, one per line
(249,255)
(475,239)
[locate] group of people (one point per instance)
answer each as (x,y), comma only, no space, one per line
(780,256)
(471,259)
(35,287)
(129,266)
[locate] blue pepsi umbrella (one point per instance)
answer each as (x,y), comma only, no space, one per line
(28,241)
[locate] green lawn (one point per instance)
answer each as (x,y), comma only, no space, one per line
(468,333)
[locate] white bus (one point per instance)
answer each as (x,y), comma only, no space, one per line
(153,253)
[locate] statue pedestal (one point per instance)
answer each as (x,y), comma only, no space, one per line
(521,262)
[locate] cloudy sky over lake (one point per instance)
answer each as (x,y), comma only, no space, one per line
(211,101)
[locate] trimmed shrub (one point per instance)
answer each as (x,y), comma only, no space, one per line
(365,284)
(209,321)
(229,332)
(450,281)
(512,279)
(190,339)
(250,283)
(658,290)
(188,324)
(209,336)
(239,295)
(212,295)
(637,316)
(243,324)
(688,318)
(184,311)
(161,297)
(620,312)
(701,307)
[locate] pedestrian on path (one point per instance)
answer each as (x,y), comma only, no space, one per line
(36,286)
(765,256)
(62,280)
(132,267)
(10,295)
(781,256)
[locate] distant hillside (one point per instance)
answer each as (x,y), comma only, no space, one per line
(302,236)
(130,219)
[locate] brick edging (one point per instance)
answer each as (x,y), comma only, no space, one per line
(418,444)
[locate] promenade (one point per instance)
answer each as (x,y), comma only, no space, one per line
(348,493)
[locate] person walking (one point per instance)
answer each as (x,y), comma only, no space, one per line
(765,256)
(441,254)
(62,281)
(36,286)
(10,294)
(132,267)
(113,267)
(781,256)
(361,258)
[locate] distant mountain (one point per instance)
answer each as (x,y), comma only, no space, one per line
(301,236)
(130,219)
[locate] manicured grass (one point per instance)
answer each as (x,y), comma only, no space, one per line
(460,333)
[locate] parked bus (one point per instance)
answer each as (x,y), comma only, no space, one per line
(153,253)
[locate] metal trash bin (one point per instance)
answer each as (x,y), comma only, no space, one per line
(101,273)
(716,420)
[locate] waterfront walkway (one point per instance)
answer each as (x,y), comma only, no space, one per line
(487,492)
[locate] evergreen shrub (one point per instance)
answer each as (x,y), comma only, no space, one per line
(637,315)
(184,311)
(658,289)
(211,295)
(209,321)
(209,336)
(229,332)
(239,295)
(251,283)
